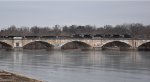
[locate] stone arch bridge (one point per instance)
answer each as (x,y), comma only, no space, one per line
(58,43)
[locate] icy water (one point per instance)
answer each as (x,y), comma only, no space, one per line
(78,66)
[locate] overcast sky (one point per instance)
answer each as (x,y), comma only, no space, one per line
(50,13)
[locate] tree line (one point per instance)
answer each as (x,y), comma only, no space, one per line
(136,30)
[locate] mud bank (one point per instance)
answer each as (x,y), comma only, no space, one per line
(11,77)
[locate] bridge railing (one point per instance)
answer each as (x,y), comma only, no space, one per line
(80,38)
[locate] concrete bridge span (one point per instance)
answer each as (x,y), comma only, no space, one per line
(58,43)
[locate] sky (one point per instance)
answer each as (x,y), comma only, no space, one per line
(61,12)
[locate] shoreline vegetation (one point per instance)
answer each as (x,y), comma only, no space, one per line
(11,77)
(136,30)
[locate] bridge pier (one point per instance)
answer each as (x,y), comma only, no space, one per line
(97,48)
(17,48)
(135,48)
(57,48)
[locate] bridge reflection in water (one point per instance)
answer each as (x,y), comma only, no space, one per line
(79,66)
(74,43)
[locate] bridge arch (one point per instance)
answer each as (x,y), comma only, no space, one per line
(118,45)
(75,45)
(4,45)
(144,46)
(38,45)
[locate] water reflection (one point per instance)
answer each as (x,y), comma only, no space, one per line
(86,66)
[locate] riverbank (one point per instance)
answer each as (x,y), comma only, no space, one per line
(11,77)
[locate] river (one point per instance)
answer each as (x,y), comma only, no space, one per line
(78,66)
